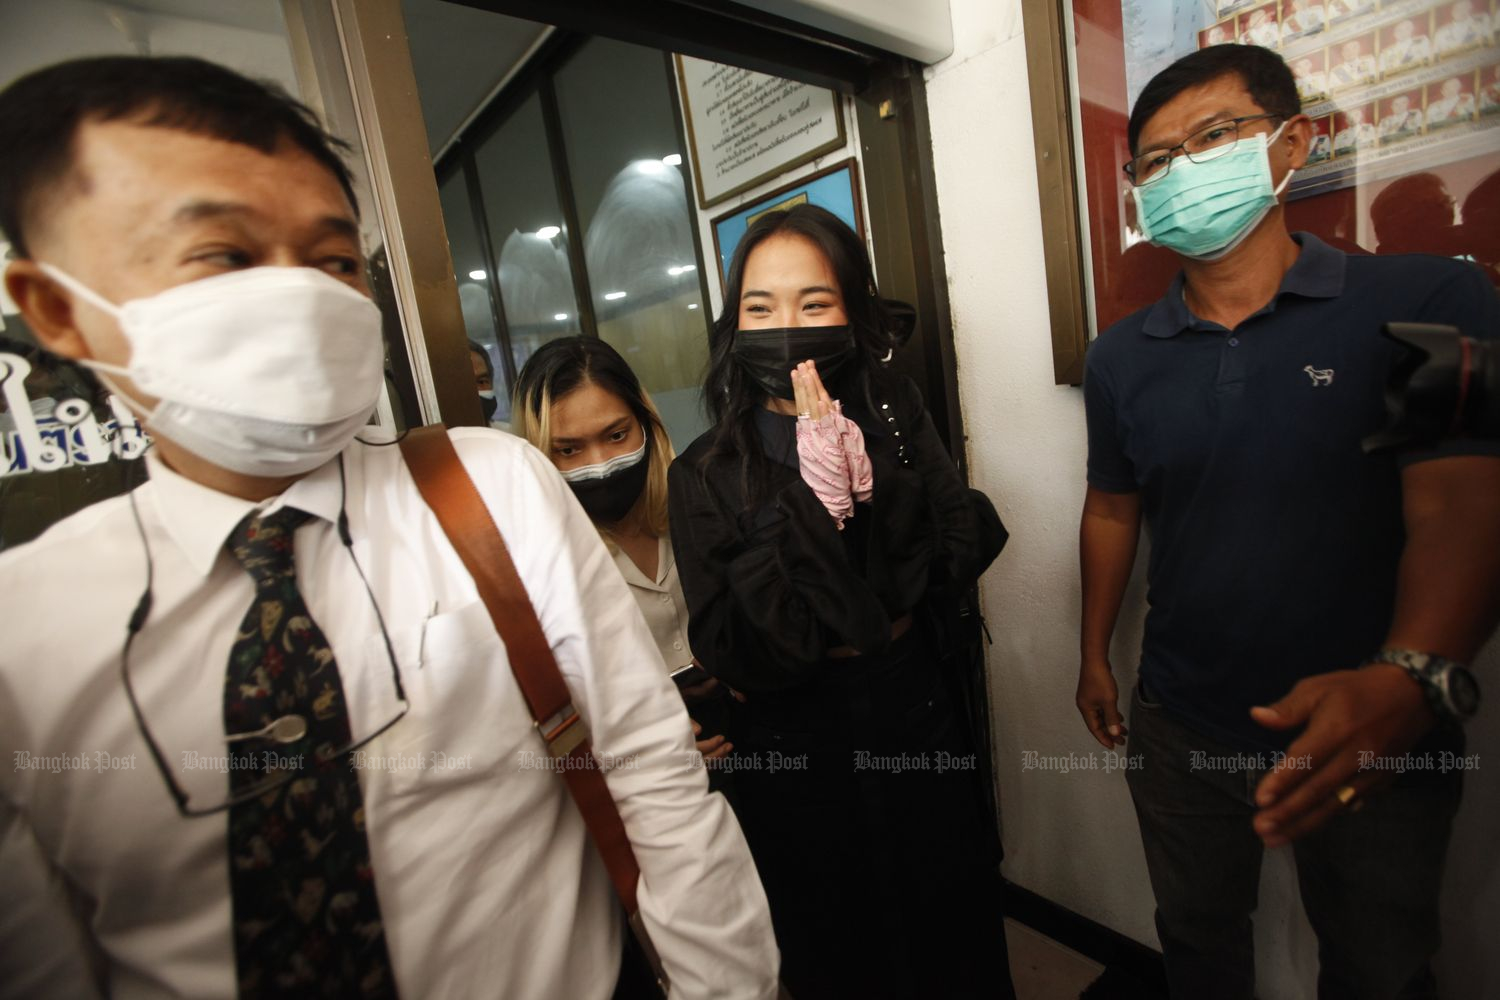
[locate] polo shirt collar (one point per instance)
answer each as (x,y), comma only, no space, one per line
(199,519)
(1317,273)
(1170,315)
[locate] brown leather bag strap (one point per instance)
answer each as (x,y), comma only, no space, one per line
(446,487)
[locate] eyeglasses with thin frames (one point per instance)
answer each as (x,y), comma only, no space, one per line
(1208,143)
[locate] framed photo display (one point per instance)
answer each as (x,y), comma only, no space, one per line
(835,188)
(1404,96)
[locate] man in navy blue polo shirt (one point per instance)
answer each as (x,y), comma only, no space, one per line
(1283,558)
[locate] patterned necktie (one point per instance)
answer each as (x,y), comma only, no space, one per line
(306,918)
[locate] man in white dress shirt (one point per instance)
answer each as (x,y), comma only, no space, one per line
(1356,134)
(1261,29)
(1464,30)
(1312,85)
(1356,67)
(1489,91)
(131,180)
(1404,120)
(1407,48)
(1453,105)
(1306,18)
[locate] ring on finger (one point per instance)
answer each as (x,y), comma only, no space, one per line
(1348,799)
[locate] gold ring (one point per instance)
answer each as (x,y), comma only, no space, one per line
(805,415)
(1349,799)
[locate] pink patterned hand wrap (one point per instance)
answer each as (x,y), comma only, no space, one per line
(831,453)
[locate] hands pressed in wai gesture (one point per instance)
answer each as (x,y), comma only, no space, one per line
(830,447)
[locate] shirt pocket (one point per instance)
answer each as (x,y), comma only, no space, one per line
(466,717)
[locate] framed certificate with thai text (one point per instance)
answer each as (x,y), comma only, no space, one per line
(746,127)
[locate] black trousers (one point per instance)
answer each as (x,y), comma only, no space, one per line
(858,796)
(636,982)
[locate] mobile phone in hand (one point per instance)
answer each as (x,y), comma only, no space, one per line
(690,676)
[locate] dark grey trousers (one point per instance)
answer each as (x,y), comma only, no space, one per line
(1369,879)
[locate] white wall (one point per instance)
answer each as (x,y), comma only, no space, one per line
(919,29)
(39,34)
(1073,837)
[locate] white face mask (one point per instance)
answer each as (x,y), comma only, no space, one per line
(269,371)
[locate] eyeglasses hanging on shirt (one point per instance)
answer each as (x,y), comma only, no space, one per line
(283,735)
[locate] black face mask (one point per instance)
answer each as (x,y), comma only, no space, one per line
(489,405)
(768,356)
(607,499)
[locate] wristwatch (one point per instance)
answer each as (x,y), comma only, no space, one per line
(1451,690)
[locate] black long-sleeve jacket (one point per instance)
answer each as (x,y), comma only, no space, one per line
(771,589)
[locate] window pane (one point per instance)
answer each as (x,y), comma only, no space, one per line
(615,104)
(526,232)
(471,272)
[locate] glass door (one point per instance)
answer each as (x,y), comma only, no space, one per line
(565,199)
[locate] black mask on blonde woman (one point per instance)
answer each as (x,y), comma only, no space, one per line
(607,490)
(768,356)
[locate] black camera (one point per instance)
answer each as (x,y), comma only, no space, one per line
(1441,384)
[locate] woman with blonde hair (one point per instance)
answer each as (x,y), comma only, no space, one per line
(580,404)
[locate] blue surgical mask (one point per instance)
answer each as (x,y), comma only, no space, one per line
(1205,210)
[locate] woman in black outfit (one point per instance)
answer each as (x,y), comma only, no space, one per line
(821,533)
